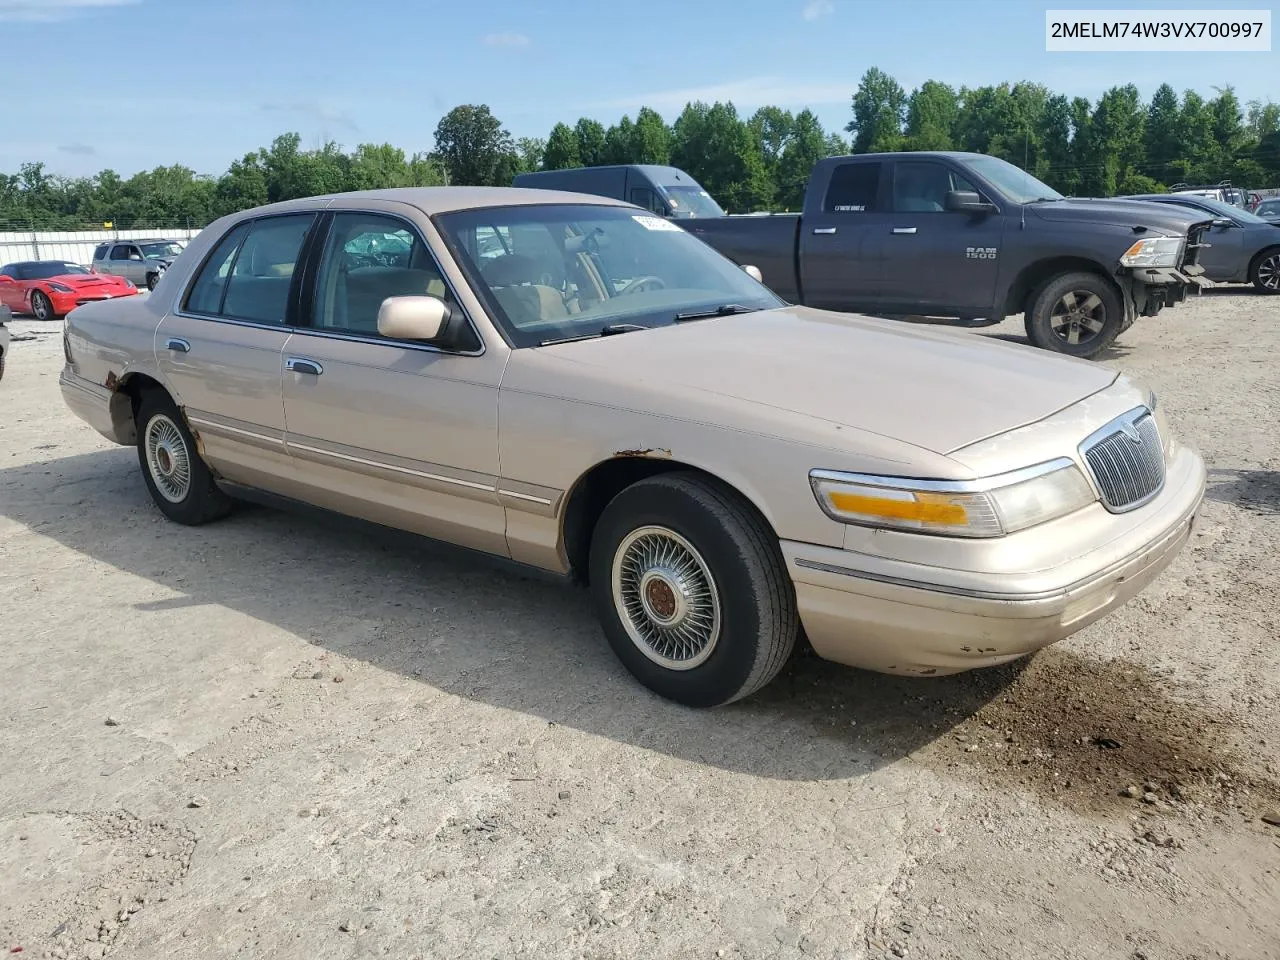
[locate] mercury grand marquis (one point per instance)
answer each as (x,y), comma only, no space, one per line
(570,383)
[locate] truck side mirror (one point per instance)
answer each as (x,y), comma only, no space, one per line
(966,201)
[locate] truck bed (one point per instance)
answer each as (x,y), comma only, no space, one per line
(766,242)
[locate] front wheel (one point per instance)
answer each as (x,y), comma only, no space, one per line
(692,591)
(1265,274)
(1078,314)
(42,306)
(152,280)
(178,480)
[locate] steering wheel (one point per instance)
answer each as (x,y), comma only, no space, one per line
(640,284)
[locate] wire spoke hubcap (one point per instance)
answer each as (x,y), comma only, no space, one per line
(1078,317)
(168,461)
(1269,272)
(666,597)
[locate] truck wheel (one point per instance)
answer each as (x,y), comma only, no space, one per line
(1265,272)
(692,590)
(1078,314)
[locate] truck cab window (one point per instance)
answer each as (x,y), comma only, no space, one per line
(922,186)
(853,188)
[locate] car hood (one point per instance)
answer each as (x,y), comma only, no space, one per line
(82,281)
(936,389)
(1156,217)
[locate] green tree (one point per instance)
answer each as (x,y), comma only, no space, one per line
(805,147)
(562,149)
(716,147)
(1163,133)
(474,148)
(932,112)
(771,129)
(651,138)
(590,134)
(530,152)
(879,105)
(618,142)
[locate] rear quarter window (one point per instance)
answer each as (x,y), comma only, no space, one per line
(853,188)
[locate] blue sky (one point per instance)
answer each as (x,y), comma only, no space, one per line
(130,84)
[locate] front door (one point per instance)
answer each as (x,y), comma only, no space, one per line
(399,432)
(842,244)
(938,261)
(220,354)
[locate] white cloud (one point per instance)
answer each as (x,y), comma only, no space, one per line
(506,40)
(53,11)
(751,92)
(817,9)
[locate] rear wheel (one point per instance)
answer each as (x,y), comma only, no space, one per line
(178,480)
(42,306)
(1078,314)
(692,591)
(1265,274)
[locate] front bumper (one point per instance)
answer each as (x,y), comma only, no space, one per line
(912,621)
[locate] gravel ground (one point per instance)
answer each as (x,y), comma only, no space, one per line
(291,737)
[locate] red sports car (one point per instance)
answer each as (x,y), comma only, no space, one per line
(48,289)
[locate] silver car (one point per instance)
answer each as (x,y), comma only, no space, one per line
(142,261)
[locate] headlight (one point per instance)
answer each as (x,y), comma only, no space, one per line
(989,507)
(60,287)
(1153,252)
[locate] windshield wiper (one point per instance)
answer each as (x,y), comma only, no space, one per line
(724,310)
(608,330)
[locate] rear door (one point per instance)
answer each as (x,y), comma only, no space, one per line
(842,241)
(221,352)
(938,261)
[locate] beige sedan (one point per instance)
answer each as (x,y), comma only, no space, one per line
(573,384)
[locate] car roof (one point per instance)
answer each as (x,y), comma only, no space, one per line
(433,200)
(36,263)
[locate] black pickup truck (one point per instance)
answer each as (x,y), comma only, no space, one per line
(969,239)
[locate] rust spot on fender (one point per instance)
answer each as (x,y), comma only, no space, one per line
(646,452)
(112,382)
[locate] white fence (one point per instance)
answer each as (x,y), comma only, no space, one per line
(77,246)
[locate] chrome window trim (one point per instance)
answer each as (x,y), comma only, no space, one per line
(1128,418)
(179,309)
(978,485)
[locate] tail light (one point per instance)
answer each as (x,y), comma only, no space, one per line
(66,348)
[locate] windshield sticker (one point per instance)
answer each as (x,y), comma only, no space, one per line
(656,223)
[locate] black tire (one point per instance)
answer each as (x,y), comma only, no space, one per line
(1264,273)
(1052,324)
(200,500)
(758,623)
(1,364)
(42,306)
(152,280)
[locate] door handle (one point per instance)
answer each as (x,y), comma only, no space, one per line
(904,229)
(303,365)
(178,345)
(824,229)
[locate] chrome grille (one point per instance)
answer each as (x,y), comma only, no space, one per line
(1126,460)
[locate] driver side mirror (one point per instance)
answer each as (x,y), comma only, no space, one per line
(966,201)
(1222,223)
(5,278)
(412,318)
(753,272)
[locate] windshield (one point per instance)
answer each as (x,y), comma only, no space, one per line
(1016,185)
(1220,209)
(691,202)
(50,268)
(161,251)
(574,270)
